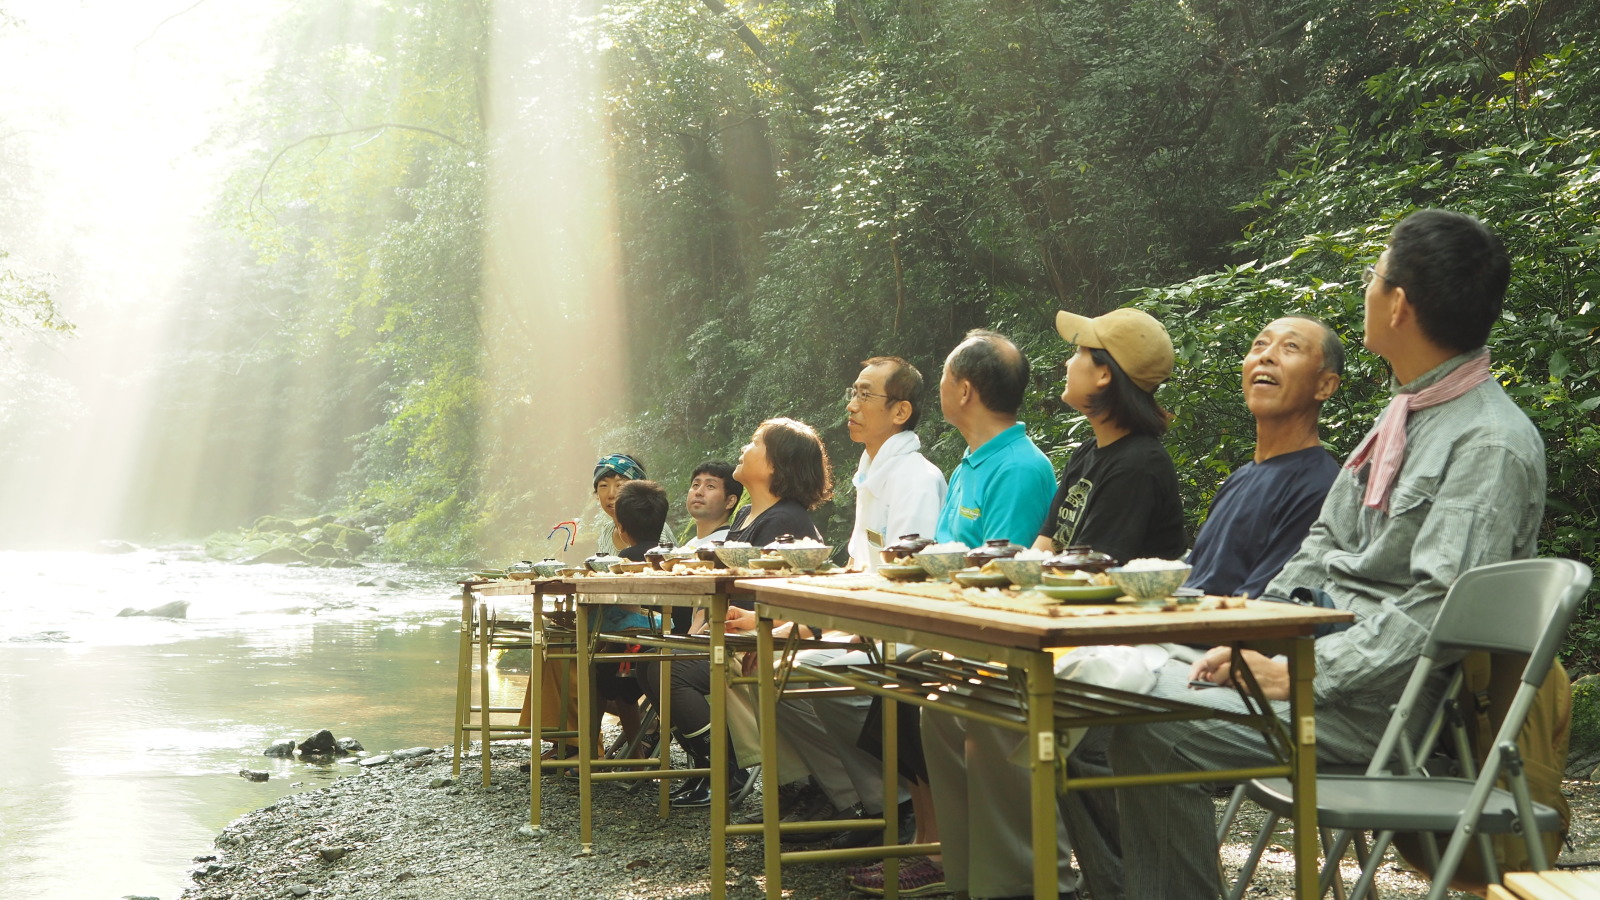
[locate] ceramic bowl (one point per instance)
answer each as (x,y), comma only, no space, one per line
(897,572)
(737,557)
(599,563)
(1022,572)
(570,572)
(940,565)
(629,568)
(547,568)
(1149,585)
(977,578)
(768,563)
(805,559)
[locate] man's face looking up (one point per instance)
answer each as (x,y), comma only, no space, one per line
(708,498)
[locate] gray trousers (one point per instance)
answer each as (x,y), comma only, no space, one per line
(982,801)
(822,731)
(1160,842)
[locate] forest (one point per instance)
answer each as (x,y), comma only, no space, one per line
(797,186)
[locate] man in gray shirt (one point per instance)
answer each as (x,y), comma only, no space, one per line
(1451,477)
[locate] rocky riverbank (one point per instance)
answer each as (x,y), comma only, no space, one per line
(408,830)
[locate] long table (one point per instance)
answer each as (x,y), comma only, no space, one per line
(710,592)
(1020,643)
(478,630)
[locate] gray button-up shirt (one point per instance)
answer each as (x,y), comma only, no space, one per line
(1470,492)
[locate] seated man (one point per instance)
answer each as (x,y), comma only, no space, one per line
(713,496)
(1001,489)
(898,492)
(1451,477)
(1262,512)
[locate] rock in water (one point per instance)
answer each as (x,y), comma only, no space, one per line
(349,745)
(177,609)
(254,775)
(411,753)
(321,743)
(282,749)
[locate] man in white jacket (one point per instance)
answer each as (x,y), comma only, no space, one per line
(898,492)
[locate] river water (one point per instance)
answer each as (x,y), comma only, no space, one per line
(123,737)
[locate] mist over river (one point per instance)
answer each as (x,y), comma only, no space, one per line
(123,737)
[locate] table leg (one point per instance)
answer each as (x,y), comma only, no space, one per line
(1041,677)
(584,741)
(717,612)
(664,727)
(891,787)
(767,700)
(1302,668)
(536,713)
(463,683)
(485,717)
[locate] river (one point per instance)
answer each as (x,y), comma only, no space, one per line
(123,737)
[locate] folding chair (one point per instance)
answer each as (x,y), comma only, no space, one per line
(1520,607)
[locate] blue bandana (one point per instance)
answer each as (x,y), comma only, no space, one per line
(617,464)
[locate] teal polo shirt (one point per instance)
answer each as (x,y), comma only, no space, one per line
(1000,490)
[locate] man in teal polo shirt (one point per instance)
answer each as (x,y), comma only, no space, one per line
(1003,486)
(1001,489)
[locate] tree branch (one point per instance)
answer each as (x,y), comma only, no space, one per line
(261,185)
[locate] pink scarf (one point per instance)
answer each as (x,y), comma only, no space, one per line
(1385,444)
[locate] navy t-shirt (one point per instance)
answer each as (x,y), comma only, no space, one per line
(1257,521)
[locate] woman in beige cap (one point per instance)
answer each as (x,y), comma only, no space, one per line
(1118,492)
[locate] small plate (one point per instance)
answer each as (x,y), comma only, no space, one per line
(1076,579)
(1086,594)
(895,572)
(977,578)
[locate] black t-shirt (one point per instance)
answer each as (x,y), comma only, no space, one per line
(636,552)
(1120,499)
(783,517)
(1258,519)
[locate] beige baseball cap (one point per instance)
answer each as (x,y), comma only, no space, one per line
(1134,339)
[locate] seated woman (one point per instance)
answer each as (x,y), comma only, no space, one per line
(785,472)
(1118,494)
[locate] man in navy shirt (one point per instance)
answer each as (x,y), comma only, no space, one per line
(1262,512)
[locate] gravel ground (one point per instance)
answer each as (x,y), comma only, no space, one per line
(402,831)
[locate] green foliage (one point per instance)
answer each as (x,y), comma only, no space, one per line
(801,186)
(25,302)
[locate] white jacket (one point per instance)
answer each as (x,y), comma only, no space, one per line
(898,492)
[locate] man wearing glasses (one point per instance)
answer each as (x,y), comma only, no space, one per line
(1450,478)
(898,492)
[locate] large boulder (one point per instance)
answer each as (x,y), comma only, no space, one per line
(320,744)
(278,555)
(274,525)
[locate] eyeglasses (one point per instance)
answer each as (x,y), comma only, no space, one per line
(851,394)
(1372,272)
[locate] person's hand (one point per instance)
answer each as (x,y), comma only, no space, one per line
(739,620)
(1216,666)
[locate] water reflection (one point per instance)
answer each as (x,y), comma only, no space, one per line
(124,737)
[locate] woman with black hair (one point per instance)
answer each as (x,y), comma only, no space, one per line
(785,473)
(1118,492)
